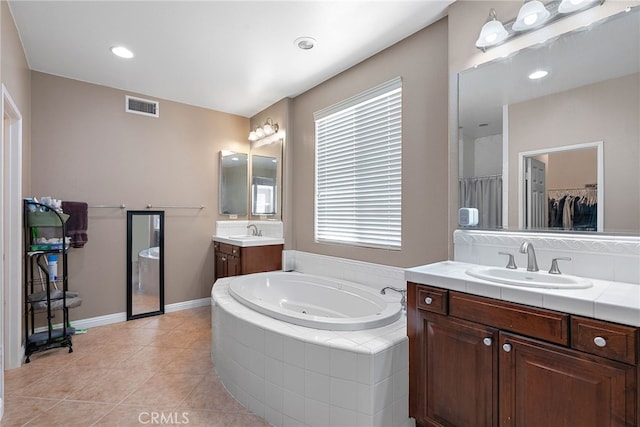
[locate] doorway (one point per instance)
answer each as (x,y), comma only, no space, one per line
(10,236)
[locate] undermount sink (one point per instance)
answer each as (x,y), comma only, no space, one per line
(533,279)
(246,237)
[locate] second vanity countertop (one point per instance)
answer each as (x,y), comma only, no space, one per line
(246,241)
(606,300)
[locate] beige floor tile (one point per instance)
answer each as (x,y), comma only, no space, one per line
(191,362)
(108,356)
(114,385)
(133,415)
(20,410)
(146,367)
(211,418)
(164,390)
(153,358)
(65,381)
(211,395)
(71,414)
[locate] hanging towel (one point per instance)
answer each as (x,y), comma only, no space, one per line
(77,222)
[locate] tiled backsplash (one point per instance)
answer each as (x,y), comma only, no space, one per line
(237,228)
(615,258)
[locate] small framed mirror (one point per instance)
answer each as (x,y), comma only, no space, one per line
(234,172)
(264,185)
(145,263)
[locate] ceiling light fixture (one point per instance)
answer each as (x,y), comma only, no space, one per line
(305,43)
(532,15)
(538,74)
(269,128)
(122,52)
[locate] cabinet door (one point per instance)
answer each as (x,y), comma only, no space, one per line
(221,265)
(233,266)
(457,384)
(546,385)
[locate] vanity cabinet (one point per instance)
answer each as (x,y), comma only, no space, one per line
(477,361)
(231,260)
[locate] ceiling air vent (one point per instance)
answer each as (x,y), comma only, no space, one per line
(142,106)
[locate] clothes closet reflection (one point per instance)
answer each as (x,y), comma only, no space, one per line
(145,263)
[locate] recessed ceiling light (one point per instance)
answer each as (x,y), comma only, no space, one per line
(538,74)
(305,43)
(122,52)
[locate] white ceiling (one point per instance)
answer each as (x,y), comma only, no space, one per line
(237,57)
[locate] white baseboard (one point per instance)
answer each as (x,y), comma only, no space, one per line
(108,319)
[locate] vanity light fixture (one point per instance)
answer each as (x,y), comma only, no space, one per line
(532,15)
(492,32)
(268,129)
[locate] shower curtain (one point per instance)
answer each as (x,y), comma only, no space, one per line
(485,194)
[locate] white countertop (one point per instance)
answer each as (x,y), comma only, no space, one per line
(245,241)
(606,300)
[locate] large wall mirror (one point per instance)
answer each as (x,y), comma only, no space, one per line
(569,135)
(145,263)
(266,178)
(264,185)
(233,189)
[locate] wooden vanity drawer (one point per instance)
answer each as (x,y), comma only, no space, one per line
(432,299)
(228,249)
(534,322)
(613,341)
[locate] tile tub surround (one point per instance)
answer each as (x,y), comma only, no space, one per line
(606,300)
(605,257)
(292,375)
(369,274)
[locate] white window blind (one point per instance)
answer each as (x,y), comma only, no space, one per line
(358,169)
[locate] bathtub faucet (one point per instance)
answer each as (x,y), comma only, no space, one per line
(255,231)
(403,292)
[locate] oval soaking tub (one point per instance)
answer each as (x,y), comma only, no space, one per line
(314,301)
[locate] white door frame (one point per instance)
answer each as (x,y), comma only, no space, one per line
(11,288)
(599,145)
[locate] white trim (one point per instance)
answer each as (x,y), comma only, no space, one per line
(12,295)
(186,305)
(109,319)
(599,145)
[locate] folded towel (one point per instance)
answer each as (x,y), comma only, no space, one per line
(77,223)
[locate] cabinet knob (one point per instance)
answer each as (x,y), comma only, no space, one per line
(600,342)
(428,300)
(487,342)
(224,258)
(506,347)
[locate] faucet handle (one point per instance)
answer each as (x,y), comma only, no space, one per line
(511,263)
(554,264)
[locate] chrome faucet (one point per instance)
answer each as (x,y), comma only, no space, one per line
(255,231)
(527,248)
(403,292)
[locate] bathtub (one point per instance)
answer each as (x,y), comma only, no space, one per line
(275,364)
(149,270)
(315,302)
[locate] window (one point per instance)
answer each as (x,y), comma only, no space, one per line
(358,169)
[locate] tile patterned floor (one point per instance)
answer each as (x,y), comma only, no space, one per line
(145,372)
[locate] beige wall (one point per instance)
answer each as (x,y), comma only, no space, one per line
(16,77)
(607,111)
(86,148)
(421,61)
